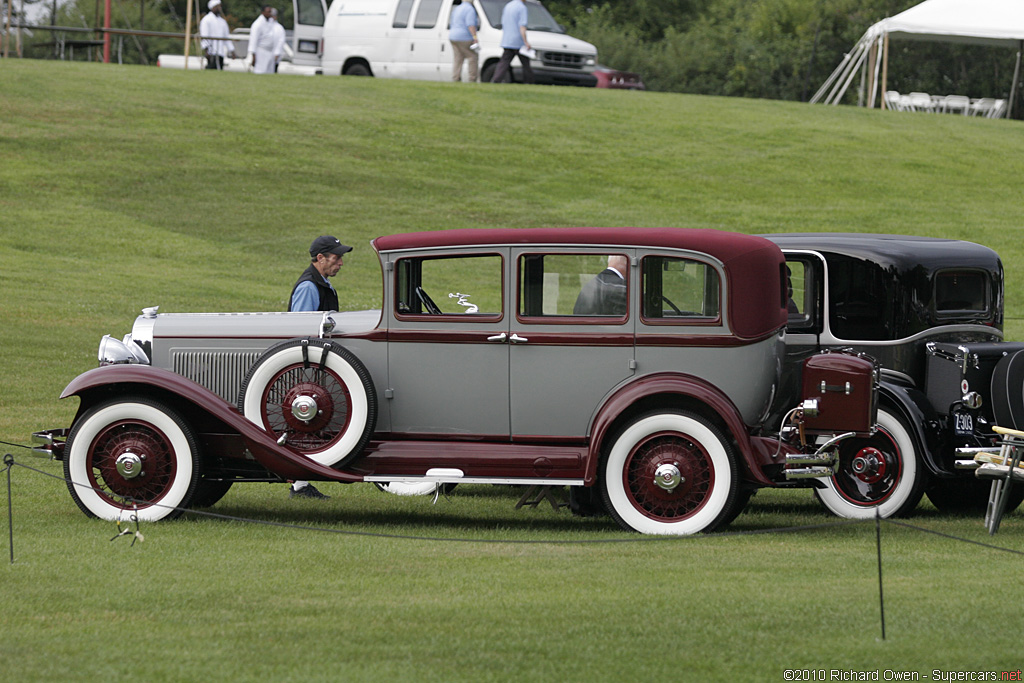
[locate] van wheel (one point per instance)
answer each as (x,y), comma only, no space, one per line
(670,473)
(881,473)
(315,395)
(132,455)
(488,72)
(357,69)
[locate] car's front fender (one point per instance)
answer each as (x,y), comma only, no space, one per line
(279,459)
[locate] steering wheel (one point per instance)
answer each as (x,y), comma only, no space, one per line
(427,302)
(671,305)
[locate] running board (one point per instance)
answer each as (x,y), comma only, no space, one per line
(441,479)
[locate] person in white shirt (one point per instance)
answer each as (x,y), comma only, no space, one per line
(279,40)
(261,42)
(211,27)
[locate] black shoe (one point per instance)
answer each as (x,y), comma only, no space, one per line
(307,491)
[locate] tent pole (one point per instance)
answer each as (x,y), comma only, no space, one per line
(874,74)
(1016,79)
(869,71)
(885,69)
(188,29)
(840,88)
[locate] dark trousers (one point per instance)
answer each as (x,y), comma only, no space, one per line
(504,68)
(215,62)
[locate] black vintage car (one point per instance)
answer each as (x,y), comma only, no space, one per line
(930,311)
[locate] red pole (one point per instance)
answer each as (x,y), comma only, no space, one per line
(106,35)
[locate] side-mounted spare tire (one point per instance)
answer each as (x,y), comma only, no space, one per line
(315,394)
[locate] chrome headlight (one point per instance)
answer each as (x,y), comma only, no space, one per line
(114,352)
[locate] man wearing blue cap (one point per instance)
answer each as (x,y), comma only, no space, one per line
(313,292)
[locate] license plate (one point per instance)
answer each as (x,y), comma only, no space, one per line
(963,424)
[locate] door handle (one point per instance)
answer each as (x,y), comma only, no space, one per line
(498,337)
(516,339)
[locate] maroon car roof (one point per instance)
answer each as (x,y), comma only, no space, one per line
(753,265)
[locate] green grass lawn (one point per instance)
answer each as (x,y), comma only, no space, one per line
(126,187)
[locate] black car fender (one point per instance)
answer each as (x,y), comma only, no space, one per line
(913,407)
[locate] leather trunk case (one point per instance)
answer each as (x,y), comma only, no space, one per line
(845,386)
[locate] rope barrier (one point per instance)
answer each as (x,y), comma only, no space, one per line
(636,538)
(137,536)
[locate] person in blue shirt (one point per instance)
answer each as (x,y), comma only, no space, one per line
(313,292)
(513,41)
(462,34)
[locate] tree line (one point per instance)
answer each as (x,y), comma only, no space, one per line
(777,49)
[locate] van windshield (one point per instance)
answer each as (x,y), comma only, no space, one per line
(537,16)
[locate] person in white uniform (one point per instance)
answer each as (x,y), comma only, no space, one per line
(214,26)
(279,40)
(261,42)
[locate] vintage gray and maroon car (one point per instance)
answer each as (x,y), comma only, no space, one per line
(477,370)
(930,310)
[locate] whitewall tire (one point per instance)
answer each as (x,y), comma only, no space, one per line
(670,473)
(132,454)
(882,473)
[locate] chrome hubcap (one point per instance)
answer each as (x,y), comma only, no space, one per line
(667,476)
(129,465)
(304,408)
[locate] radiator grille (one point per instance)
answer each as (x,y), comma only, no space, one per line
(566,60)
(221,372)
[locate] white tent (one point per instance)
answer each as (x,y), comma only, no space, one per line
(997,23)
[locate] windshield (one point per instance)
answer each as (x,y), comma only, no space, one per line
(537,19)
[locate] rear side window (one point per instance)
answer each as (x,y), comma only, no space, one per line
(402,14)
(958,291)
(580,285)
(680,289)
(862,300)
(311,12)
(426,15)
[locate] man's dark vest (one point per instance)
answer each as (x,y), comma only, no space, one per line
(328,297)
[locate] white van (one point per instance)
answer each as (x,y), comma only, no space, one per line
(409,39)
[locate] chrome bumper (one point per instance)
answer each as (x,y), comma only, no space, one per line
(49,443)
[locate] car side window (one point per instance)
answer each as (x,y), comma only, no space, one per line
(680,289)
(427,13)
(862,305)
(961,291)
(574,285)
(402,13)
(456,285)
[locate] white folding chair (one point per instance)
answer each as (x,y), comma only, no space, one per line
(982,106)
(1003,469)
(998,109)
(921,101)
(956,104)
(892,100)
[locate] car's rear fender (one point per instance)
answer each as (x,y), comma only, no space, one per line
(203,405)
(913,407)
(670,391)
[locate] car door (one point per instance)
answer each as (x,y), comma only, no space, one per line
(428,41)
(448,351)
(807,296)
(566,358)
(307,33)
